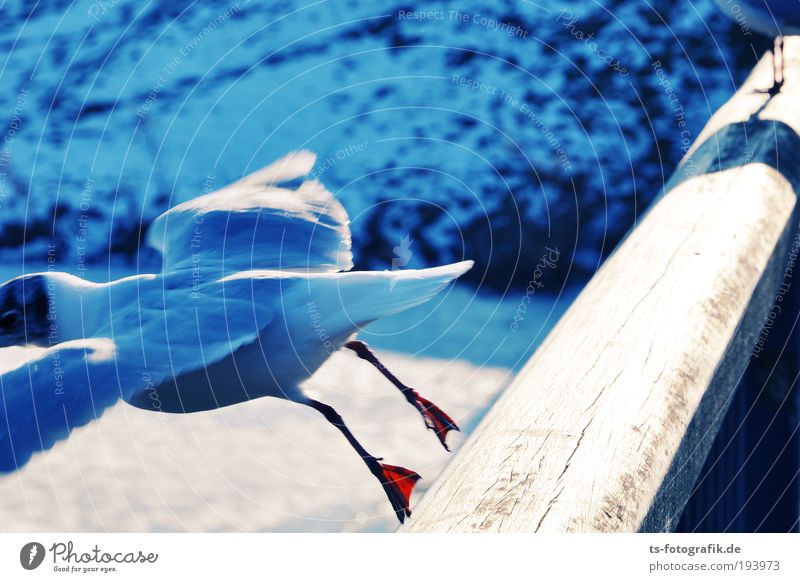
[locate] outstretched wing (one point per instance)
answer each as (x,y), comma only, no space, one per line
(256,224)
(146,342)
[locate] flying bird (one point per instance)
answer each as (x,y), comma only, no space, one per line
(776,18)
(252,275)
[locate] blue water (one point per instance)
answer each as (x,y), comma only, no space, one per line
(478,129)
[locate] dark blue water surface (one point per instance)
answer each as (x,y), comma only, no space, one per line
(486,130)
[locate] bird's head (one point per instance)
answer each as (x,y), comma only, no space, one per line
(24,311)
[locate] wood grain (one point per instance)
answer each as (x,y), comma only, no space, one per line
(607,426)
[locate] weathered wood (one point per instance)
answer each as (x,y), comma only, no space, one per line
(607,426)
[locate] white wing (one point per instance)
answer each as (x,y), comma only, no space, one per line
(159,337)
(254,224)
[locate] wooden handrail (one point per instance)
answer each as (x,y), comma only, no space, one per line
(607,426)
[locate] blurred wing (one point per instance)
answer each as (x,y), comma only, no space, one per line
(44,399)
(255,224)
(72,383)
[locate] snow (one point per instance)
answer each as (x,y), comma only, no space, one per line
(269,465)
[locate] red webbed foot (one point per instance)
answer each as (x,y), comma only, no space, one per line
(398,483)
(436,419)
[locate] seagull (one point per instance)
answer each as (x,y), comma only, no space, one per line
(255,293)
(776,18)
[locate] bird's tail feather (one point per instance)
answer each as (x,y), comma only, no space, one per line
(409,288)
(360,297)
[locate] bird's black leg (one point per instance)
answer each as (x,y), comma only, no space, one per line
(435,418)
(397,482)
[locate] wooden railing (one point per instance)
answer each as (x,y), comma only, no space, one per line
(608,425)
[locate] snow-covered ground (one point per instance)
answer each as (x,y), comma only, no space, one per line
(268,465)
